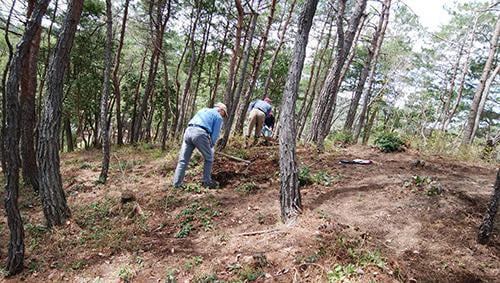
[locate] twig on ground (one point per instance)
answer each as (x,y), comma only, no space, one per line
(234,157)
(259,232)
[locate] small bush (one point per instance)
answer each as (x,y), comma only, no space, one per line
(247,188)
(305,177)
(389,142)
(342,138)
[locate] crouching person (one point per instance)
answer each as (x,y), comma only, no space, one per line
(202,133)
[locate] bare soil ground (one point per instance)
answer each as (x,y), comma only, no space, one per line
(393,220)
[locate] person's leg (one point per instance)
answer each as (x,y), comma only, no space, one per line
(251,124)
(184,157)
(259,122)
(202,143)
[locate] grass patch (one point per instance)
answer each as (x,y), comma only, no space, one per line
(126,274)
(197,216)
(193,262)
(247,188)
(424,184)
(306,177)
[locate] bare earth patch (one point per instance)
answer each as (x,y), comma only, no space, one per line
(382,222)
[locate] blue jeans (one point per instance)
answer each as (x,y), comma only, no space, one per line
(195,137)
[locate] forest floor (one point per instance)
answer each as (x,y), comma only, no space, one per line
(393,220)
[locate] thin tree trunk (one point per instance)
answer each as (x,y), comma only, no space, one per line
(69,135)
(11,139)
(303,115)
(167,107)
(484,98)
(326,104)
(136,99)
(351,114)
(55,209)
(213,92)
(277,50)
(116,81)
(469,127)
(4,79)
(489,219)
(465,68)
(446,105)
(290,200)
(182,109)
(255,71)
(236,96)
(28,108)
(106,89)
(369,84)
(159,26)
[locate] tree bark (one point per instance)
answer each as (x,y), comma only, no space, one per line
(484,97)
(55,209)
(289,190)
(489,219)
(4,80)
(106,89)
(237,94)
(277,50)
(469,127)
(136,99)
(116,81)
(159,27)
(213,91)
(255,71)
(351,114)
(326,104)
(11,140)
(69,135)
(465,68)
(28,99)
(369,84)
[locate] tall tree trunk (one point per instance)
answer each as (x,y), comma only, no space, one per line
(11,140)
(278,49)
(351,114)
(369,84)
(326,104)
(116,81)
(213,91)
(106,89)
(489,219)
(484,98)
(69,135)
(159,27)
(28,101)
(469,127)
(451,90)
(200,63)
(55,209)
(465,68)
(136,99)
(232,65)
(167,107)
(192,65)
(237,94)
(255,71)
(4,79)
(289,190)
(305,113)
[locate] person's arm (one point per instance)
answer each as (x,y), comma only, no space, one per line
(216,129)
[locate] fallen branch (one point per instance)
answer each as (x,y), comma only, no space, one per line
(259,232)
(234,158)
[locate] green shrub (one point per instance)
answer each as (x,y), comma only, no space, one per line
(389,142)
(342,138)
(305,177)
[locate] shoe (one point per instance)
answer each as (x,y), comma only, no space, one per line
(211,185)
